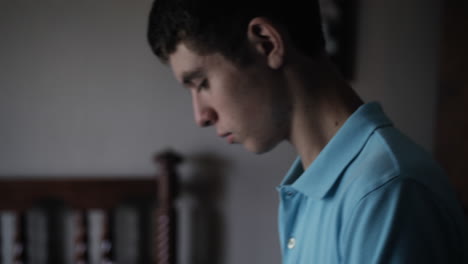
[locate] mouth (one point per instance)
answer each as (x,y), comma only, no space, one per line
(228,136)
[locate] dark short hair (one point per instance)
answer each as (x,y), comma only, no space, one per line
(221,25)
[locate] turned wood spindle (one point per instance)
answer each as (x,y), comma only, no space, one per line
(19,238)
(81,237)
(106,246)
(165,215)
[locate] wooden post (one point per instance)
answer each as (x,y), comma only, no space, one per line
(165,215)
(451,141)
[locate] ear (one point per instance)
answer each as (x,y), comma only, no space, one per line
(267,40)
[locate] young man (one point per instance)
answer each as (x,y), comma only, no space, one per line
(360,191)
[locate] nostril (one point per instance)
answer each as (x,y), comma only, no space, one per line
(206,123)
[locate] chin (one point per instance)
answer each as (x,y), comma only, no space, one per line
(259,148)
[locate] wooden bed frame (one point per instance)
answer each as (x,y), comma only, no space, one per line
(154,196)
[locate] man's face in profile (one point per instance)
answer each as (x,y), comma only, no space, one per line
(243,103)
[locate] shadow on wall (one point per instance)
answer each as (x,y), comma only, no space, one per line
(206,189)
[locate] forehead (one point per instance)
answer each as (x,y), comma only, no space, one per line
(185,62)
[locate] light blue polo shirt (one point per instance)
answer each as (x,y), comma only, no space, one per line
(371,196)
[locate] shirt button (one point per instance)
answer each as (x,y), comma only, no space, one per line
(291,243)
(289,194)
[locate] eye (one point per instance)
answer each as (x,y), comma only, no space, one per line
(203,85)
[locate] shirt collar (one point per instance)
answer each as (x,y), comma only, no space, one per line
(321,175)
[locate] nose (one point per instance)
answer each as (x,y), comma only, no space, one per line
(205,115)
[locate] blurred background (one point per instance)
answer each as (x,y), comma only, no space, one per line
(82,94)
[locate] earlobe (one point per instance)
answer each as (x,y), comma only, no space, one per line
(267,41)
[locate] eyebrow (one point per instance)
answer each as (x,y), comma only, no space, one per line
(188,76)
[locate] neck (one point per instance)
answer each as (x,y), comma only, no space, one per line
(322,102)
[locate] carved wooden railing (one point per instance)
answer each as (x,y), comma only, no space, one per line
(80,195)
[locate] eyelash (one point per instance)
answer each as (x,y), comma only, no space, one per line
(203,85)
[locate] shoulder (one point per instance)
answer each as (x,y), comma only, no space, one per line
(394,185)
(391,158)
(390,166)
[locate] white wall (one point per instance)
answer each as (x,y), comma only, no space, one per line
(81,93)
(398,62)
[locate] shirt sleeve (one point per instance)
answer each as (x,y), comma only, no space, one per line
(400,222)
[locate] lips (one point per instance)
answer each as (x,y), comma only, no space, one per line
(228,136)
(224,134)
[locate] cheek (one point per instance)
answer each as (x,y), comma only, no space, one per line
(245,97)
(243,109)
